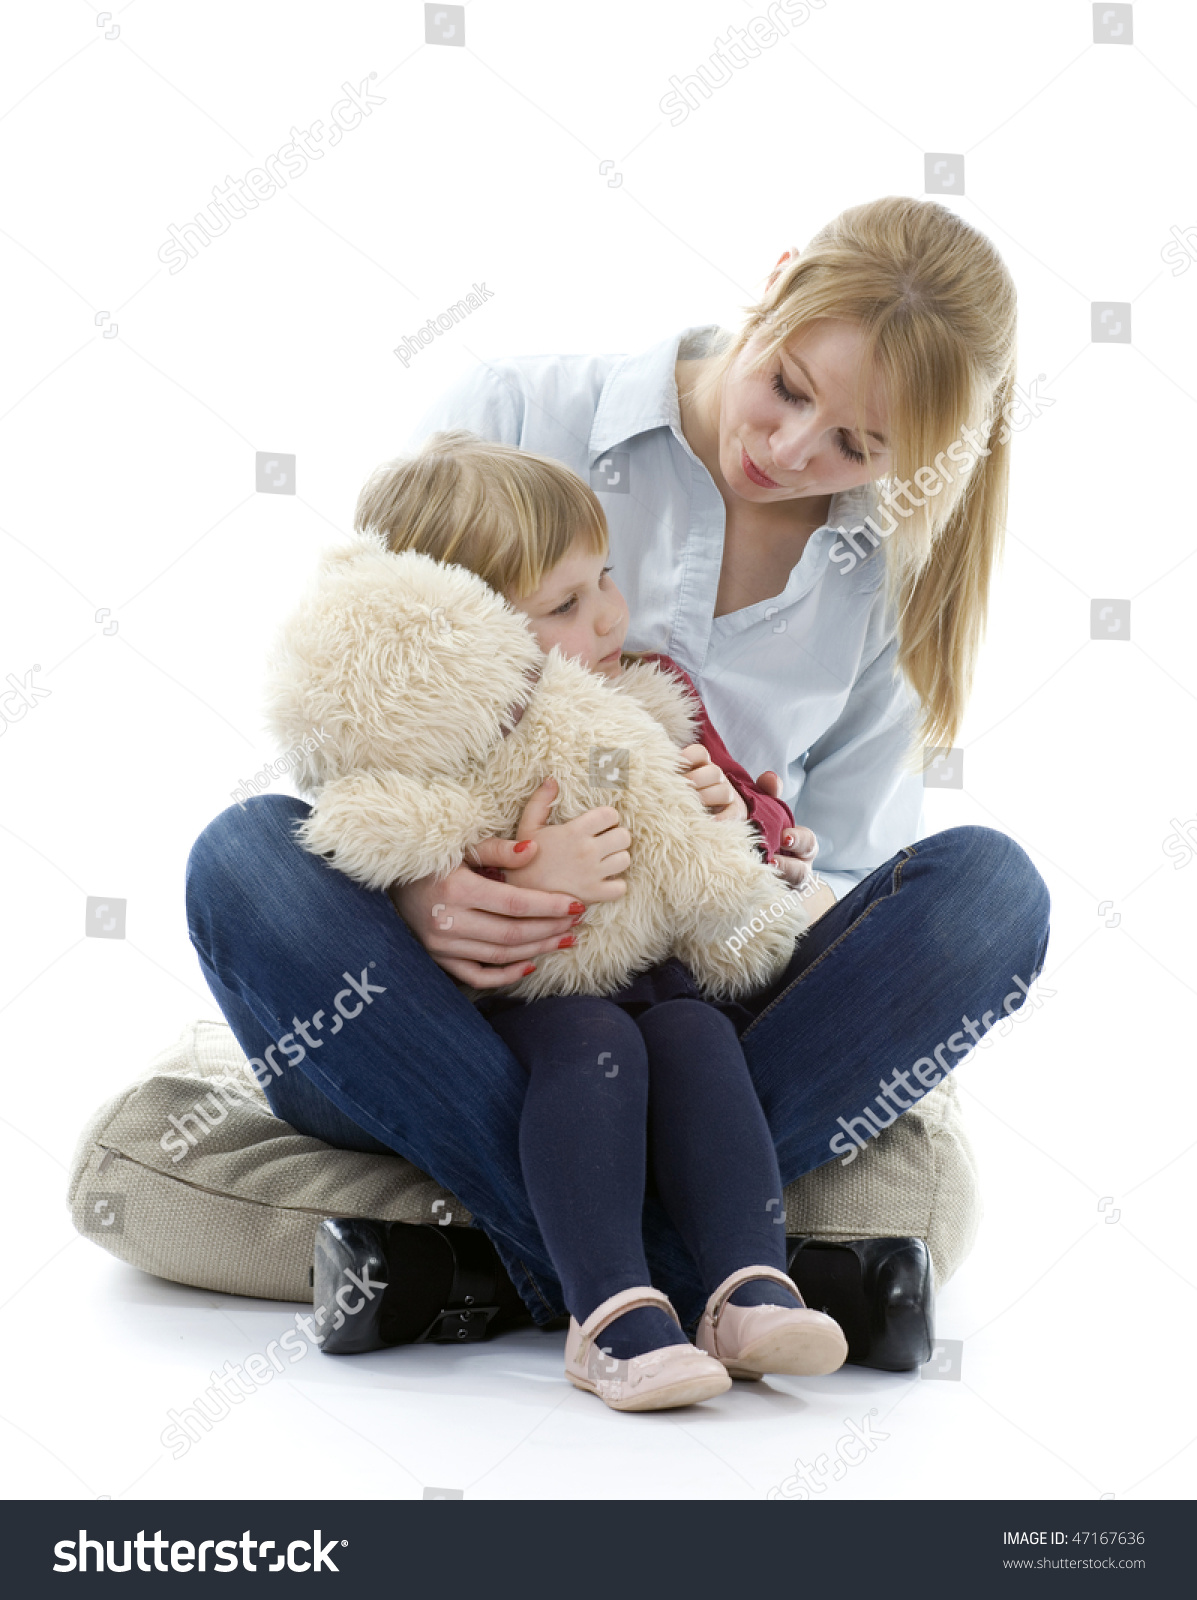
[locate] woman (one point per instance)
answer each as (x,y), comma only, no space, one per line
(826,656)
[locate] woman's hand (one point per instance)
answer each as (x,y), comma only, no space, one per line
(583,857)
(486,933)
(714,790)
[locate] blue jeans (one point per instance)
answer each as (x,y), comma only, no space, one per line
(381,1052)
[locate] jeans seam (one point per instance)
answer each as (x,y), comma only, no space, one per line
(909,851)
(535,1287)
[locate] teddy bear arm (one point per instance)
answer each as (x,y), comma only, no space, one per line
(736,927)
(381,828)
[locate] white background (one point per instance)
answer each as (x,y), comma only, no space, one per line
(128,484)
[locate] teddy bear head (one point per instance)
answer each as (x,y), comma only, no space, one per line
(397,662)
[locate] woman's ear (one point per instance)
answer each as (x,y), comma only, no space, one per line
(786,255)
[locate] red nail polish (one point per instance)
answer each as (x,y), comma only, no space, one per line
(523,845)
(526,971)
(576,908)
(569,939)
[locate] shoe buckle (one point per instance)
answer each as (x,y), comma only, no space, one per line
(459,1326)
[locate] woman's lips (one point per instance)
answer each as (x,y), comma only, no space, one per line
(753,473)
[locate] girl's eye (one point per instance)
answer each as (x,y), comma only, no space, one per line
(568,605)
(783,393)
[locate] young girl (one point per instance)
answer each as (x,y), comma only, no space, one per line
(650,1085)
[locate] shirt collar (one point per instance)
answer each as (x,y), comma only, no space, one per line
(641,390)
(640,394)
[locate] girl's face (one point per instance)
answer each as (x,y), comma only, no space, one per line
(788,431)
(579,608)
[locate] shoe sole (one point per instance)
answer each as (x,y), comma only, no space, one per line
(793,1352)
(685,1392)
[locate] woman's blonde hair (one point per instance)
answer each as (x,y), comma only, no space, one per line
(936,308)
(505,514)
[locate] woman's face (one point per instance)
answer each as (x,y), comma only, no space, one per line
(788,431)
(577,607)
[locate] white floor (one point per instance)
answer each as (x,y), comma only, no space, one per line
(1071,1384)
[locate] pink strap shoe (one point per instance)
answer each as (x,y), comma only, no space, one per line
(674,1375)
(753,1340)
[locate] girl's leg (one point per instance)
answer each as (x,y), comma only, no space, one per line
(943,935)
(711,1151)
(360,1038)
(582,1147)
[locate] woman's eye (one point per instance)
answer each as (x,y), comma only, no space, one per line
(781,390)
(783,393)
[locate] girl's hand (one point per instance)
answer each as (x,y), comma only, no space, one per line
(480,931)
(795,857)
(583,857)
(799,846)
(714,790)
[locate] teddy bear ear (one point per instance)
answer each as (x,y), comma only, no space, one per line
(354,546)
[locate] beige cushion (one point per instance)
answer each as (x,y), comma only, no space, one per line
(238,1211)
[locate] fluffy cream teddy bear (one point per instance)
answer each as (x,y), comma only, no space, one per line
(439,716)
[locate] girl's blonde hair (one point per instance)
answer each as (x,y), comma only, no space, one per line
(505,514)
(936,308)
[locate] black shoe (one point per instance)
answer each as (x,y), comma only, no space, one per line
(880,1291)
(382,1283)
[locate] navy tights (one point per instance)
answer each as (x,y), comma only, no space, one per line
(617,1100)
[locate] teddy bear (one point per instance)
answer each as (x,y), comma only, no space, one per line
(438,714)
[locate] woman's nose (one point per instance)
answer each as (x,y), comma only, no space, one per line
(793,447)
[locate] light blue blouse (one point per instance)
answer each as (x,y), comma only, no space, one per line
(803,683)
